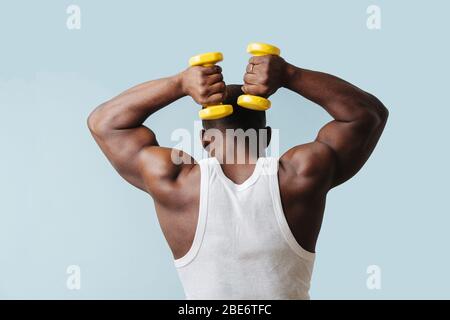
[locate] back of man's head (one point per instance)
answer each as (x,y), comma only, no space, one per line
(241,118)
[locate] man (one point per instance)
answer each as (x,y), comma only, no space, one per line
(241,230)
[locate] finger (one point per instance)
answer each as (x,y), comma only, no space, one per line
(218,87)
(250,78)
(253,90)
(257,60)
(250,68)
(257,68)
(215,98)
(211,70)
(217,77)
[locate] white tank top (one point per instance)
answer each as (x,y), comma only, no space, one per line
(243,247)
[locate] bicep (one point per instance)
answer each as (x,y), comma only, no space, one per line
(123,148)
(352,144)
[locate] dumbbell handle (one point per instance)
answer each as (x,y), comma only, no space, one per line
(250,101)
(211,112)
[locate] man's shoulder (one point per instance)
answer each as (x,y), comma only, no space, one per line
(171,176)
(308,159)
(307,167)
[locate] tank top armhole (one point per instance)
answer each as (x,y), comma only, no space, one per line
(201,221)
(280,216)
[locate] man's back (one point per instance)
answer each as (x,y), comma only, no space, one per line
(306,172)
(243,247)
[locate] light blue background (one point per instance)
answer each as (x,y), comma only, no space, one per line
(61,203)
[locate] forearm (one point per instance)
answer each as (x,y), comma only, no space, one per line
(342,100)
(131,108)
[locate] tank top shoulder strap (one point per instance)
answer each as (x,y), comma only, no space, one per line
(273,165)
(202,214)
(269,166)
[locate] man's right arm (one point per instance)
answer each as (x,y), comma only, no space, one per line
(118,127)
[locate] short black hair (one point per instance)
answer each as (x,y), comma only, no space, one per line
(241,118)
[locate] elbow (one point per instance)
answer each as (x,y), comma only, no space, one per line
(382,114)
(92,122)
(377,112)
(96,123)
(377,119)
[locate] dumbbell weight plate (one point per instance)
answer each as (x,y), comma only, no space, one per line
(215,112)
(261,49)
(206,59)
(253,102)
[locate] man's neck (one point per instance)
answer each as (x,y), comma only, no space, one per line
(239,156)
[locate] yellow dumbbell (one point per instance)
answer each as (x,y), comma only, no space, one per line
(211,112)
(254,102)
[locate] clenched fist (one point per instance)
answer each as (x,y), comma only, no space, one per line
(264,75)
(204,84)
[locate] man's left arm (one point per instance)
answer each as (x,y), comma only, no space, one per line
(344,144)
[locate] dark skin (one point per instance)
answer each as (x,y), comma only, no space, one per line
(306,173)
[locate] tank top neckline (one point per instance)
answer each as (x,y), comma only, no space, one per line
(244,185)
